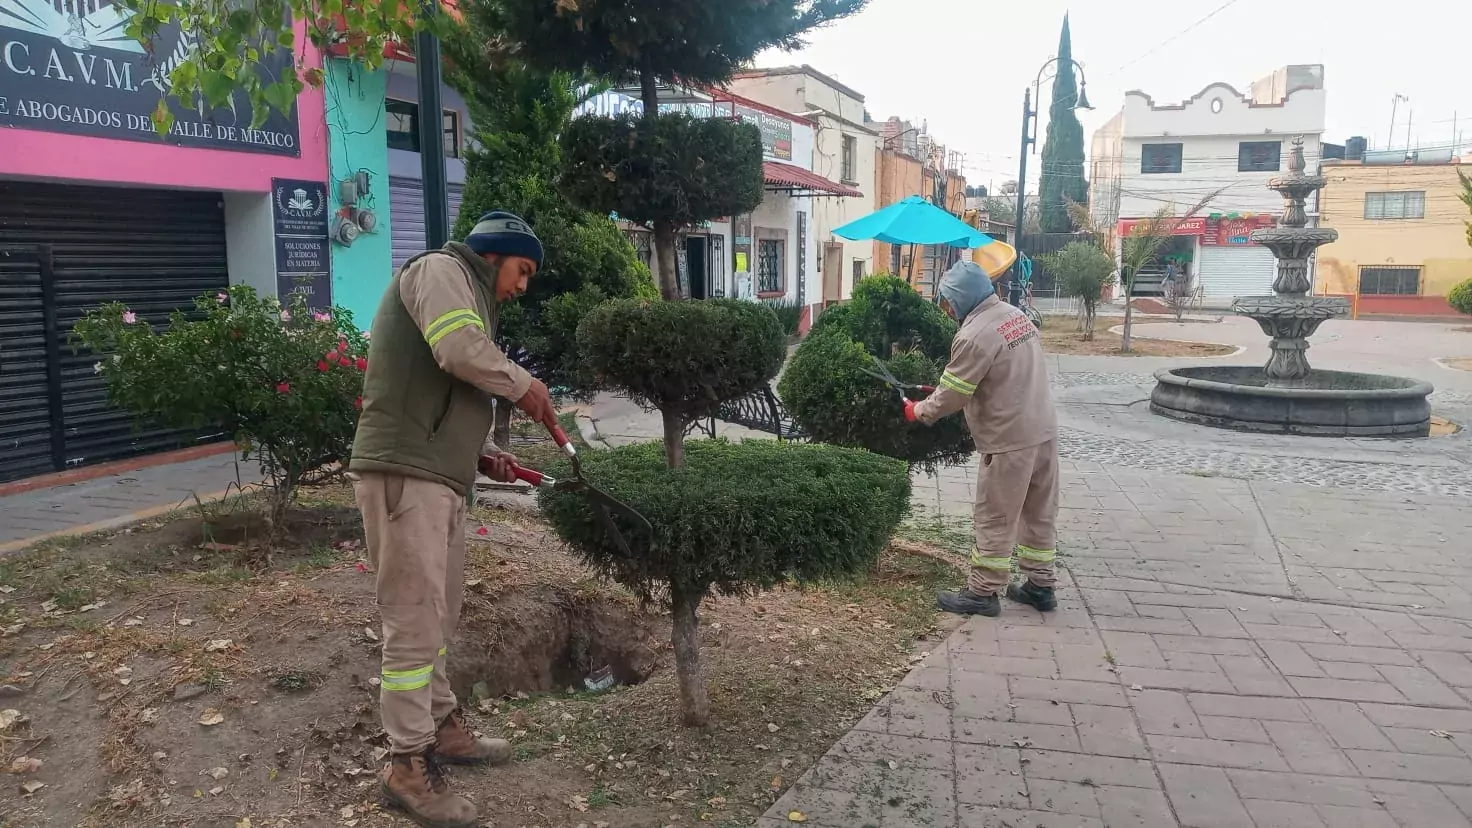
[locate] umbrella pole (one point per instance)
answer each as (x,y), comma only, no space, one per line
(910,277)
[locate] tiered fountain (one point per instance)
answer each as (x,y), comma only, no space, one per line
(1287,396)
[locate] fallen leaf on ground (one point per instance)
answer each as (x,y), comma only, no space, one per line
(10,718)
(217,645)
(346,812)
(1441,734)
(243,822)
(148,715)
(217,790)
(186,622)
(578,803)
(217,773)
(796,816)
(32,786)
(25,764)
(133,622)
(211,717)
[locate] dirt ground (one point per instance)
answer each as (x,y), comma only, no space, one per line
(164,676)
(1460,363)
(1061,336)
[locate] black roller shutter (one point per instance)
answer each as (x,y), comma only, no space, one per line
(153,250)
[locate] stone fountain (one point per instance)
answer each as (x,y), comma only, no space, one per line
(1287,396)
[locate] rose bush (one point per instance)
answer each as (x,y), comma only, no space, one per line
(285,382)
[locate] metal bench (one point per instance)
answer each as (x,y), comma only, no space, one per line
(760,411)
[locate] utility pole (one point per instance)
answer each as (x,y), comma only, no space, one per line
(1014,280)
(1390,133)
(432,134)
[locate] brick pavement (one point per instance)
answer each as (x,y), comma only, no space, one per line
(114,499)
(1226,653)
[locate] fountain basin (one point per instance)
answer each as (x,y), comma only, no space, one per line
(1325,404)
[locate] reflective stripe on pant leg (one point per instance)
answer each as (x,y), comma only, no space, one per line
(1036,532)
(1039,556)
(989,574)
(401,680)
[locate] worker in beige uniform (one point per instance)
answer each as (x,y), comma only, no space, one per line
(998,376)
(433,368)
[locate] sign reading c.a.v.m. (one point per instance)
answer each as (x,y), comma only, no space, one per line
(68,66)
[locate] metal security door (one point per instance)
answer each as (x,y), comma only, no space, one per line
(155,251)
(406,216)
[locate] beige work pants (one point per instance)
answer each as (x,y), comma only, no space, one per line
(1016,508)
(416,541)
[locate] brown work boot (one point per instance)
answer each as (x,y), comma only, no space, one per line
(454,743)
(415,783)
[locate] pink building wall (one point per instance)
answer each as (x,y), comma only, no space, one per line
(59,156)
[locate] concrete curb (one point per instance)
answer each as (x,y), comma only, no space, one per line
(1119,329)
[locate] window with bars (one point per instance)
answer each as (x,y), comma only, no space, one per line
(403,127)
(1390,281)
(769,266)
(1259,156)
(642,246)
(1160,158)
(850,158)
(1395,206)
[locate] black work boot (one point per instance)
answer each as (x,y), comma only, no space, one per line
(966,602)
(1034,596)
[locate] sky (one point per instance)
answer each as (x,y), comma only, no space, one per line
(962,65)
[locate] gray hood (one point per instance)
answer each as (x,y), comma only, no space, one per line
(965,286)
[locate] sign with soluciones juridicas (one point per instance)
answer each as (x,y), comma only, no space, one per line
(303,256)
(69,66)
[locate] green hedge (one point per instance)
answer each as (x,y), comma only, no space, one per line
(684,358)
(827,393)
(738,518)
(1460,297)
(886,315)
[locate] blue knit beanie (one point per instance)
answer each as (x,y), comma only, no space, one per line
(499,233)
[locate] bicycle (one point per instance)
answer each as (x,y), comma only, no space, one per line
(1024,272)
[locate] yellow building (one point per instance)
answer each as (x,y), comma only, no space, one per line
(1402,235)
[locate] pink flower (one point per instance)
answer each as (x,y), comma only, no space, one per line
(362,567)
(345,362)
(323,366)
(367,334)
(362,363)
(222,298)
(321,317)
(129,317)
(359,403)
(285,315)
(332,356)
(283,387)
(483,531)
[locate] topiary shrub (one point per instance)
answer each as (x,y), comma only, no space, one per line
(829,395)
(886,315)
(736,519)
(683,358)
(1460,297)
(833,400)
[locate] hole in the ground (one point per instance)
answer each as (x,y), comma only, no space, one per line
(550,640)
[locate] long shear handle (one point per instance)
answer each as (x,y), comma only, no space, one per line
(532,476)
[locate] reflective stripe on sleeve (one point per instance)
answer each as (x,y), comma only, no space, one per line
(957,384)
(450,322)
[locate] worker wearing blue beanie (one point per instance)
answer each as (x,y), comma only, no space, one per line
(433,368)
(499,233)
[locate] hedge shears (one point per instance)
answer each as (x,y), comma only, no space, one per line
(604,505)
(884,376)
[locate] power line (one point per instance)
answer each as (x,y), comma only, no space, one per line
(1177,36)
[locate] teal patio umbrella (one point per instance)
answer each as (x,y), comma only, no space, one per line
(914,221)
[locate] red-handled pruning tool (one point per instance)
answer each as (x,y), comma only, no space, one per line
(605,505)
(884,376)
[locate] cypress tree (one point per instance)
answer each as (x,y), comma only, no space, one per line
(1062,177)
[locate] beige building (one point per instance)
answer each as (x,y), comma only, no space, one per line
(844,150)
(1402,233)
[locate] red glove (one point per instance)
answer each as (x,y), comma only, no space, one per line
(910,416)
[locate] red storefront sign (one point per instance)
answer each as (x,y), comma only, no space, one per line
(1184,227)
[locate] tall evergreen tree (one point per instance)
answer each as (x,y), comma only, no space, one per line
(653,42)
(1062,178)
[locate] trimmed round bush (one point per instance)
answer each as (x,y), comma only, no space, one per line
(1460,297)
(829,395)
(662,171)
(683,358)
(734,519)
(887,315)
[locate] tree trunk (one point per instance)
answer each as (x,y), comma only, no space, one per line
(501,428)
(694,705)
(674,439)
(1125,346)
(1088,322)
(664,257)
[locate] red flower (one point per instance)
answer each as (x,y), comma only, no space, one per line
(332,356)
(360,402)
(483,531)
(283,387)
(322,366)
(345,362)
(362,363)
(362,567)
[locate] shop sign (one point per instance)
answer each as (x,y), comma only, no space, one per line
(1186,227)
(68,66)
(303,257)
(1236,231)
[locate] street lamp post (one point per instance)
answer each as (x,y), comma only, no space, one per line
(431,128)
(1030,138)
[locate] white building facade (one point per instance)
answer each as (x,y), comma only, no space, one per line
(844,150)
(1152,155)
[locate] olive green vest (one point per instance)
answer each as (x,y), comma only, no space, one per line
(418,420)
